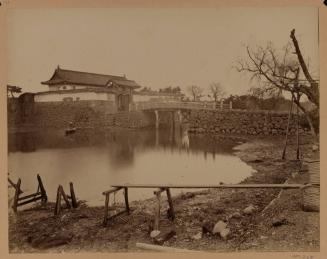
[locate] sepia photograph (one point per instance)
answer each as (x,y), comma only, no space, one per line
(163,129)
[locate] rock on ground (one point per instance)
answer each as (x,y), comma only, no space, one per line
(225,233)
(220,225)
(249,210)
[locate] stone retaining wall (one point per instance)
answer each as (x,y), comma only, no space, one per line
(84,114)
(91,114)
(135,119)
(239,122)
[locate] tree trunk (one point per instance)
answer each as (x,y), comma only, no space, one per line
(287,129)
(312,129)
(297,131)
(313,93)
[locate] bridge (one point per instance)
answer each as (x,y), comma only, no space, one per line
(175,107)
(180,105)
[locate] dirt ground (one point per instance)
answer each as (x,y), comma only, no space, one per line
(281,226)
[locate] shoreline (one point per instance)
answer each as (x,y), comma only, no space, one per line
(193,210)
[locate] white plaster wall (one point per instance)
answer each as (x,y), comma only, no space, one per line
(68,87)
(58,97)
(141,98)
(53,87)
(80,87)
(149,98)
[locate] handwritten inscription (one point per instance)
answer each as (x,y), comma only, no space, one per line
(303,256)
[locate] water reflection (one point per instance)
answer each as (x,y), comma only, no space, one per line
(185,138)
(94,160)
(121,144)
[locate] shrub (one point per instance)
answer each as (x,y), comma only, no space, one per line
(314,115)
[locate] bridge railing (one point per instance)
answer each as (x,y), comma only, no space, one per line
(179,105)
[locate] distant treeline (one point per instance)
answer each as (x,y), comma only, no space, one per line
(250,102)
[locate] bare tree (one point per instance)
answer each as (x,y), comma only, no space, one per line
(279,70)
(195,91)
(11,89)
(217,91)
(311,90)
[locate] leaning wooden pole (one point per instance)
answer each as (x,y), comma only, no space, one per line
(287,129)
(42,189)
(14,185)
(297,131)
(72,195)
(58,202)
(170,202)
(64,196)
(16,195)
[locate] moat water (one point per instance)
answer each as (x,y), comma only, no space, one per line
(95,160)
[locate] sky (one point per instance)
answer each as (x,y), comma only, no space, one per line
(155,47)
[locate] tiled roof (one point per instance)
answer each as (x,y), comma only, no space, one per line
(63,76)
(103,90)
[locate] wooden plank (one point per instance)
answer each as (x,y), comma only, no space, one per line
(29,196)
(29,201)
(115,189)
(204,186)
(162,248)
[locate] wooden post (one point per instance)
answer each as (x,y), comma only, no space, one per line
(43,192)
(16,195)
(72,195)
(106,210)
(58,202)
(157,209)
(157,118)
(174,120)
(64,196)
(126,199)
(221,104)
(14,185)
(170,202)
(287,129)
(297,130)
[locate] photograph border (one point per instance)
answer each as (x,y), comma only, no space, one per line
(8,4)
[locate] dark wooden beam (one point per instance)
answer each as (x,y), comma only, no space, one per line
(29,201)
(29,196)
(205,186)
